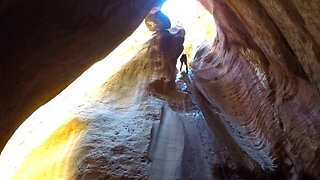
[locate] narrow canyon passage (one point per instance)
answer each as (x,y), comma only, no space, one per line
(248,107)
(110,136)
(145,123)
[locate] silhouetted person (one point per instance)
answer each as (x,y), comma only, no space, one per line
(183,60)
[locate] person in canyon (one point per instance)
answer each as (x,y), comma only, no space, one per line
(183,60)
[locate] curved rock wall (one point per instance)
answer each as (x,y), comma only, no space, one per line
(111,131)
(45,45)
(262,75)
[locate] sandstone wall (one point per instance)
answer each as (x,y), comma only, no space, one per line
(262,75)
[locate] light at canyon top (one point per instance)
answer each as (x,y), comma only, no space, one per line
(198,23)
(180,11)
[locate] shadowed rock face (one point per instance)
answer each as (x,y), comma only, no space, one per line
(156,21)
(262,75)
(45,45)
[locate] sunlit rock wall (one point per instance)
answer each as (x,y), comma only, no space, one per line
(45,45)
(107,137)
(262,74)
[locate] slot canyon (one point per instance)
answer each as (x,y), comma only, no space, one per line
(93,89)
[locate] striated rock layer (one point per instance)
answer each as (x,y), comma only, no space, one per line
(262,77)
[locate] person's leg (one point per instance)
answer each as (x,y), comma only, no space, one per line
(181,66)
(186,66)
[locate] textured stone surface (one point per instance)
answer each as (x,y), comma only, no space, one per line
(108,137)
(260,79)
(261,75)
